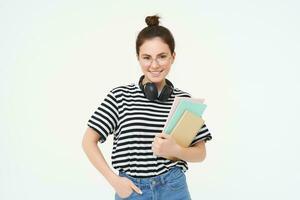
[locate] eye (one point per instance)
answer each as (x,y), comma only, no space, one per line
(146,58)
(163,56)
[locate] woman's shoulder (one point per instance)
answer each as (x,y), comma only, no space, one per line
(125,88)
(181,93)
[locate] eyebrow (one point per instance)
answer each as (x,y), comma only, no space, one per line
(144,54)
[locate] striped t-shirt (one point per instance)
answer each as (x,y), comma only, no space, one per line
(133,120)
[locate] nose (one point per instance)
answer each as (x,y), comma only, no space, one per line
(154,64)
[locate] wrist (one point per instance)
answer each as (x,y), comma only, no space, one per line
(112,178)
(178,151)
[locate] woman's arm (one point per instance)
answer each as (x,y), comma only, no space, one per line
(195,153)
(165,146)
(122,185)
(90,147)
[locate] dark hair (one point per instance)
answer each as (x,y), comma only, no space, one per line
(154,30)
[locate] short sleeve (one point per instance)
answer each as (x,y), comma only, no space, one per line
(203,134)
(104,120)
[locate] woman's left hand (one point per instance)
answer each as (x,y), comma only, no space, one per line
(164,145)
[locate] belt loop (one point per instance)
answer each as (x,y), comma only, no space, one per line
(138,180)
(162,179)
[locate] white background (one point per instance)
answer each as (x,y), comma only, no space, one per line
(60,58)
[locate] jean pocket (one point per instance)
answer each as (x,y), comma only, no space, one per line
(177,182)
(176,173)
(117,197)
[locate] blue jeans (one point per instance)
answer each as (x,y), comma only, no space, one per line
(170,185)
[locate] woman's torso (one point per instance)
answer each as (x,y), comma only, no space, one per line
(139,120)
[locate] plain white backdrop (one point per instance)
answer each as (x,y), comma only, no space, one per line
(60,58)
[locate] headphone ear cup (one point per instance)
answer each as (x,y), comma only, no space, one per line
(165,93)
(150,91)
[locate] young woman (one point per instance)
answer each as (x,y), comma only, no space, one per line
(135,115)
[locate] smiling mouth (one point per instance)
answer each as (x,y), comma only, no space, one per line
(156,73)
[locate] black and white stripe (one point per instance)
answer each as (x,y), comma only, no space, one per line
(134,121)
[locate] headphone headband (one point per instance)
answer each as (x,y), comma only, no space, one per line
(150,90)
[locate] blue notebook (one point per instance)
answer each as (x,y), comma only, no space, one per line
(183,105)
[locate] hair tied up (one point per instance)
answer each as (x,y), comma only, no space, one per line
(154,30)
(152,20)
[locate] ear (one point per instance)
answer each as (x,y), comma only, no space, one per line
(173,55)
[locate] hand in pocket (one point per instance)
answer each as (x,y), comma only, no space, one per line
(125,187)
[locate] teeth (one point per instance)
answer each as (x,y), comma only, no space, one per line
(155,72)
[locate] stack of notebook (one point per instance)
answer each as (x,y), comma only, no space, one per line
(184,120)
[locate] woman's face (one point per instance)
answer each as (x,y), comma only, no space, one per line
(155,59)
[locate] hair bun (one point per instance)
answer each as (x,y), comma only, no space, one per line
(152,20)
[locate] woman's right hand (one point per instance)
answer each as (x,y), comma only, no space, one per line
(124,187)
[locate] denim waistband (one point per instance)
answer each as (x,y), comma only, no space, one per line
(173,172)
